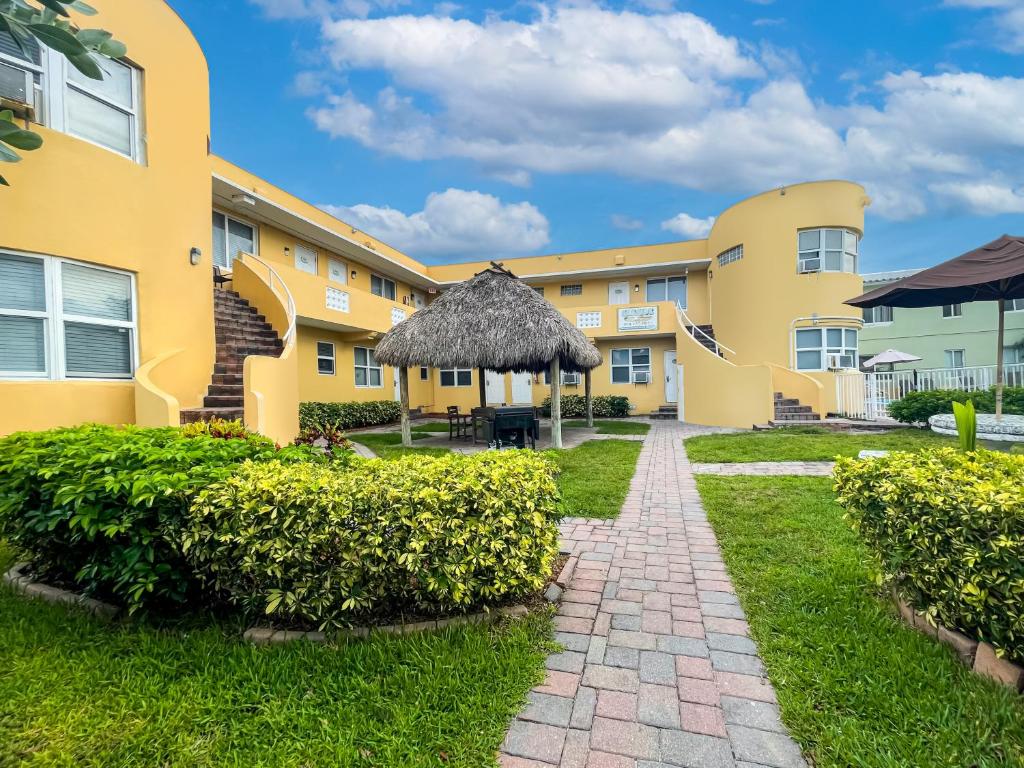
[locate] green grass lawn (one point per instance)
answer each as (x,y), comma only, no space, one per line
(388,445)
(430,426)
(806,444)
(594,477)
(75,692)
(612,426)
(857,688)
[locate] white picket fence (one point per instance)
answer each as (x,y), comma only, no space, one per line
(868,395)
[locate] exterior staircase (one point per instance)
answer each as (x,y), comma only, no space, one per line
(240,332)
(665,412)
(704,335)
(789,409)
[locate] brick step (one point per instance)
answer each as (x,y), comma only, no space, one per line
(797,417)
(239,336)
(786,401)
(243,350)
(792,409)
(227,379)
(223,401)
(227,368)
(225,390)
(191,415)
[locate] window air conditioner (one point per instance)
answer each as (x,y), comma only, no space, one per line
(641,377)
(16,90)
(810,265)
(571,379)
(835,362)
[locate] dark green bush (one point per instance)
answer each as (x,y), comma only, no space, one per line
(348,415)
(103,507)
(918,406)
(946,528)
(415,534)
(605,406)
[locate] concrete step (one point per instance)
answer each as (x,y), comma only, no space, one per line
(797,417)
(191,415)
(223,401)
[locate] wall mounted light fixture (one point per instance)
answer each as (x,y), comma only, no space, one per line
(195,256)
(353,274)
(636,288)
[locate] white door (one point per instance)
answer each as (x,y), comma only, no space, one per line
(522,388)
(419,301)
(618,293)
(494,384)
(337,271)
(398,388)
(671,378)
(305,259)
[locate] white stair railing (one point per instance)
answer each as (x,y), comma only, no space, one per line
(278,286)
(693,329)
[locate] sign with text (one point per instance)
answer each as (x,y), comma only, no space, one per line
(638,319)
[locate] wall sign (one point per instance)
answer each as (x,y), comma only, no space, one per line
(638,319)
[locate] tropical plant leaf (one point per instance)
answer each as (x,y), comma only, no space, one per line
(83,8)
(59,39)
(86,64)
(19,138)
(55,6)
(8,155)
(115,49)
(3,182)
(92,38)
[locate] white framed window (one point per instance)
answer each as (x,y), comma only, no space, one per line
(337,272)
(822,349)
(952,310)
(667,289)
(574,289)
(369,373)
(955,358)
(21,76)
(456,377)
(1013,305)
(62,319)
(305,259)
(728,257)
(1013,355)
(383,287)
(877,315)
(627,361)
(232,236)
(424,373)
(827,250)
(325,358)
(588,319)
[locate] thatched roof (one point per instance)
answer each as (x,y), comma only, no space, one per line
(491,321)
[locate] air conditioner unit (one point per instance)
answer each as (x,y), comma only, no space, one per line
(17,91)
(810,265)
(641,377)
(571,379)
(835,362)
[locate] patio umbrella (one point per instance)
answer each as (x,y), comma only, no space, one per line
(491,321)
(890,356)
(993,272)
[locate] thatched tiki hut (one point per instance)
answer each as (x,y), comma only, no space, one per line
(492,321)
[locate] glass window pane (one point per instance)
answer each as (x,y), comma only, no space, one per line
(374,377)
(360,353)
(375,286)
(22,283)
(834,239)
(656,290)
(96,292)
(808,338)
(97,350)
(620,357)
(22,345)
(850,242)
(620,374)
(642,356)
(325,349)
(220,241)
(834,337)
(465,378)
(325,365)
(9,47)
(808,361)
(360,377)
(447,378)
(389,289)
(677,290)
(241,237)
(849,262)
(370,359)
(116,85)
(810,240)
(833,261)
(91,119)
(851,337)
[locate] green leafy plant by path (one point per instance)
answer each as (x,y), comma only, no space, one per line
(919,406)
(806,444)
(606,427)
(348,415)
(857,687)
(77,692)
(594,477)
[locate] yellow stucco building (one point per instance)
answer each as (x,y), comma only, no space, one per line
(107,309)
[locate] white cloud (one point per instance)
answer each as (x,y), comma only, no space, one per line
(666,97)
(984,199)
(689,226)
(1006,24)
(626,223)
(309,9)
(456,223)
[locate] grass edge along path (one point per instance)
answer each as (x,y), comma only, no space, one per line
(74,691)
(855,685)
(805,444)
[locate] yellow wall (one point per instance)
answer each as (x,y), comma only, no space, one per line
(118,213)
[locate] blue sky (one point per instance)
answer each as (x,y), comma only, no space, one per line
(472,130)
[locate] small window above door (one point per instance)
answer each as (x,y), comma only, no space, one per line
(337,272)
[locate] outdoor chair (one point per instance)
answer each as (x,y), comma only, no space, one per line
(459,424)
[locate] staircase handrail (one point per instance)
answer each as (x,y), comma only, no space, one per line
(289,300)
(694,329)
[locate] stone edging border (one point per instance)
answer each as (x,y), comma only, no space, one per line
(258,635)
(980,657)
(25,586)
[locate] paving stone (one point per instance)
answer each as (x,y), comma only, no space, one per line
(547,709)
(694,750)
(640,640)
(611,678)
(688,629)
(657,705)
(622,657)
(698,691)
(722,610)
(573,624)
(608,760)
(566,661)
(712,596)
(744,686)
(628,623)
(578,610)
(679,613)
(595,655)
(511,761)
(656,622)
(583,709)
(578,596)
(682,646)
(740,663)
(573,642)
(691,666)
(700,718)
(601,624)
(765,748)
(726,626)
(731,643)
(624,738)
(657,601)
(559,684)
(751,713)
(616,705)
(535,741)
(577,745)
(657,667)
(621,607)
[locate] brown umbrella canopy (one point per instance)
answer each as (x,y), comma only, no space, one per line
(992,272)
(492,321)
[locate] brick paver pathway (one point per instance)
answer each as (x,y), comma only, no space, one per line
(658,669)
(769,468)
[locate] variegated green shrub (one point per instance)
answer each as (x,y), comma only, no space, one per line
(417,534)
(947,529)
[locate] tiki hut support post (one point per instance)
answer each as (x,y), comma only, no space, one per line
(1001,307)
(403,393)
(590,399)
(482,375)
(556,403)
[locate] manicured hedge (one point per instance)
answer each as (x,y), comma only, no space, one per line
(104,507)
(918,406)
(946,528)
(348,415)
(605,406)
(414,534)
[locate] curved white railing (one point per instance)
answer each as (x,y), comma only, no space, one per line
(693,329)
(274,280)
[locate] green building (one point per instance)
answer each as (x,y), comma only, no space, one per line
(954,336)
